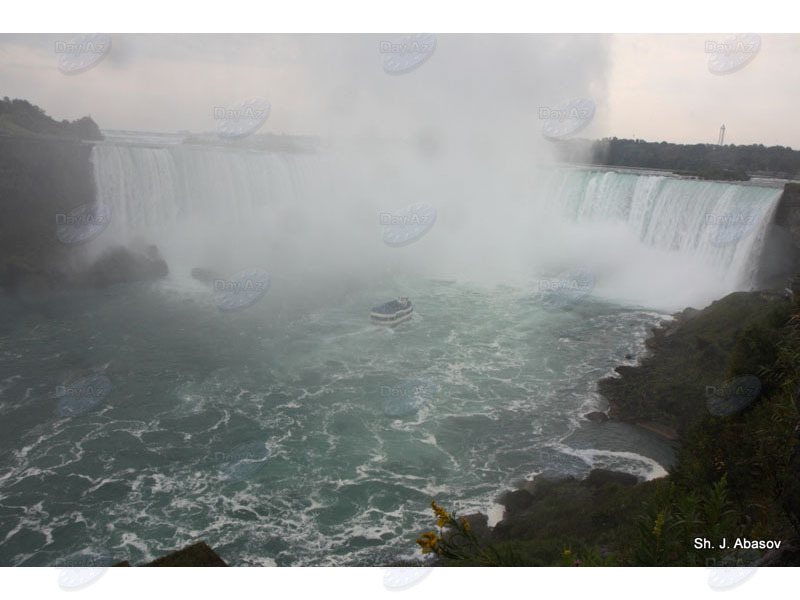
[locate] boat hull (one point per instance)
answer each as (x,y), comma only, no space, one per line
(392,320)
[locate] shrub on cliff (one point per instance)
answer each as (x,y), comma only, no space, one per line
(756,450)
(674,518)
(757,346)
(705,160)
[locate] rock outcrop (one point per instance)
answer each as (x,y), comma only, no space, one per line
(123,265)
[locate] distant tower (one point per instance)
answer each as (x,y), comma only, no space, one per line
(721,140)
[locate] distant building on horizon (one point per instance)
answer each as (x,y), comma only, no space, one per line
(721,140)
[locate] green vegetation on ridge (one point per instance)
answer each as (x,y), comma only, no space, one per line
(707,161)
(20,117)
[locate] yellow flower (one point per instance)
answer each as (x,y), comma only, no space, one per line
(567,553)
(441,513)
(658,524)
(466,524)
(428,541)
(443,517)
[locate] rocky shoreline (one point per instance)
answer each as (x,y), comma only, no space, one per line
(664,394)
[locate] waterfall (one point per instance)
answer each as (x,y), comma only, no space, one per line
(207,205)
(647,236)
(151,189)
(720,224)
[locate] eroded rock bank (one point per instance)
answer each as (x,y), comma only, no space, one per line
(667,392)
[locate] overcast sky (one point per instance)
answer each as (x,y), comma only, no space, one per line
(654,87)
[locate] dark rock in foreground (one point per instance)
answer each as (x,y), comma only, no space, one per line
(196,555)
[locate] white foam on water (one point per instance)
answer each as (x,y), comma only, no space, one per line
(631,462)
(495,514)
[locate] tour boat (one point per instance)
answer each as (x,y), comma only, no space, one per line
(393,312)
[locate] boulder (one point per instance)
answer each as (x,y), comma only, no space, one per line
(516,501)
(596,416)
(479,523)
(600,477)
(122,265)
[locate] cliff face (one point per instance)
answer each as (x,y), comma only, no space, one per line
(780,257)
(39,179)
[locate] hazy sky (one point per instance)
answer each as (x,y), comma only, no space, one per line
(655,87)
